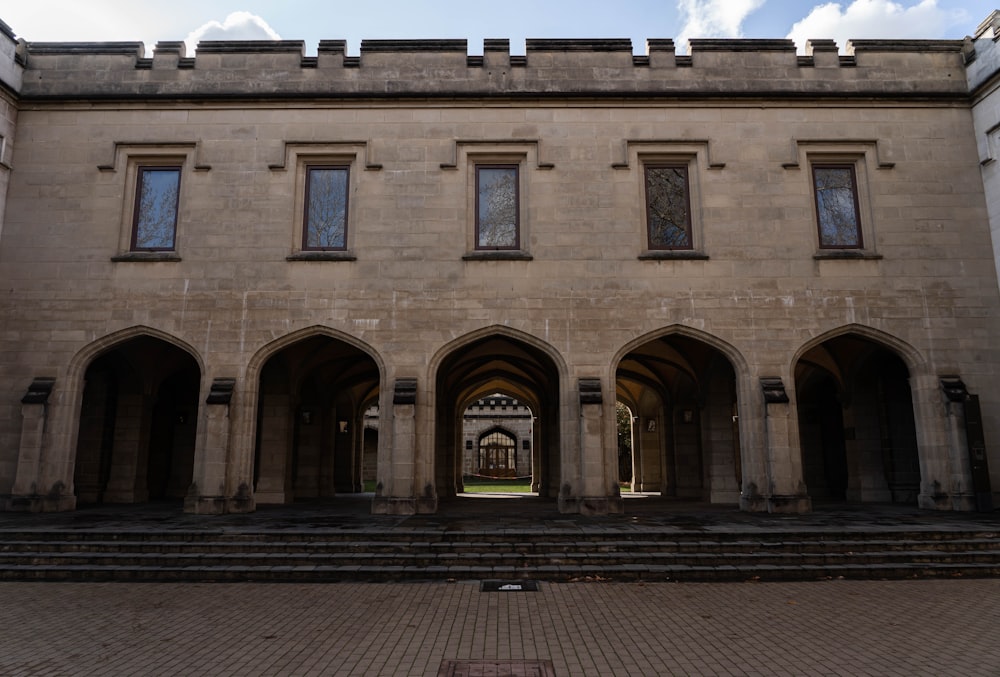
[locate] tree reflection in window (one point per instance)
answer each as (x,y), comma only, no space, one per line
(837,206)
(155,219)
(497,207)
(668,214)
(326,208)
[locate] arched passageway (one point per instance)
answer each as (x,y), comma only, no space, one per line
(317,421)
(138,424)
(856,424)
(506,368)
(681,393)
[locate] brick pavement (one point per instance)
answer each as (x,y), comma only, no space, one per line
(925,627)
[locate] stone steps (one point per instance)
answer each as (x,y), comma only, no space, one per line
(422,555)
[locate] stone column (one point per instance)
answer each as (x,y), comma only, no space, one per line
(208,493)
(961,485)
(786,492)
(648,461)
(866,480)
(275,449)
(597,493)
(127,482)
(25,494)
(936,447)
(397,459)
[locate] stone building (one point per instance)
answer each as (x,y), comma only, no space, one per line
(497,433)
(213,265)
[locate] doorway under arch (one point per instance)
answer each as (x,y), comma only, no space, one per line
(681,393)
(492,365)
(138,423)
(317,421)
(856,426)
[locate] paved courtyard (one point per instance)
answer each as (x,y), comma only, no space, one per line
(921,627)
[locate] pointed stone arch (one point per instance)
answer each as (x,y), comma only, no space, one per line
(498,359)
(912,358)
(309,437)
(856,413)
(687,390)
(136,416)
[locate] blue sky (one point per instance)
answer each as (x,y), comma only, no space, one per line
(354,20)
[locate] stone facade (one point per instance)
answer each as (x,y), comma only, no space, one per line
(983,68)
(506,420)
(763,365)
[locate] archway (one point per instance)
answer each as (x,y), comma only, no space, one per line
(138,423)
(317,421)
(856,426)
(498,367)
(681,393)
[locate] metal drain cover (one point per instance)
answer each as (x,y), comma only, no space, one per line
(495,668)
(508,586)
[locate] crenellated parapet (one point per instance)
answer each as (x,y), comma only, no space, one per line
(550,68)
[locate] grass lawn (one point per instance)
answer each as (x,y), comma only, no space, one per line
(488,485)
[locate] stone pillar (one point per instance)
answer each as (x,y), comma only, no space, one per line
(275,449)
(648,461)
(127,482)
(866,480)
(597,491)
(208,493)
(786,492)
(717,435)
(961,485)
(397,460)
(25,494)
(937,448)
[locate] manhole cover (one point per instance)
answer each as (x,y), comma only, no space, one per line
(491,668)
(508,586)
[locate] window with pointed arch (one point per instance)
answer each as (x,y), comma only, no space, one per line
(497,454)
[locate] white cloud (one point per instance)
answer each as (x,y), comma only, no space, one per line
(875,19)
(714,18)
(236,26)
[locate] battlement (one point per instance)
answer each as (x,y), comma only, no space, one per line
(550,68)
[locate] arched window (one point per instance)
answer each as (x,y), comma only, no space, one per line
(497,454)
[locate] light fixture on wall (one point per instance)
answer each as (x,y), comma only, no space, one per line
(687,415)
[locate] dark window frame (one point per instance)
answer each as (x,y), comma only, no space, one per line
(688,225)
(141,171)
(309,168)
(856,202)
(516,168)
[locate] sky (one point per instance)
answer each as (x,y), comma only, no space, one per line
(355,20)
